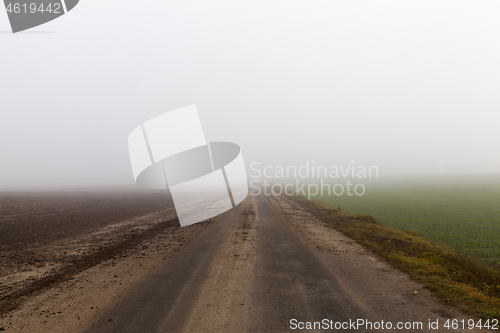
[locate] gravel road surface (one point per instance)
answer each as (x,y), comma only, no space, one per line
(269,266)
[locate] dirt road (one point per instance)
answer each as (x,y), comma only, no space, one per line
(268,265)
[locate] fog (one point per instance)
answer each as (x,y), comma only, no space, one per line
(410,87)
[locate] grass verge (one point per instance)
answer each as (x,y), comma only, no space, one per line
(468,284)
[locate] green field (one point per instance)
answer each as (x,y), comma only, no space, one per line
(463,212)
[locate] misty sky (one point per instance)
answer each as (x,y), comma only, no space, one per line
(410,86)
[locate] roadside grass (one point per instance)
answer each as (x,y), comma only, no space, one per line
(458,280)
(462,212)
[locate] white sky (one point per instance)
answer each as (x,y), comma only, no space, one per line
(410,86)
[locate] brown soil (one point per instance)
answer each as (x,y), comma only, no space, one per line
(49,237)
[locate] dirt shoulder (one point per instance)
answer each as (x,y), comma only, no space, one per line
(46,238)
(452,277)
(379,290)
(97,270)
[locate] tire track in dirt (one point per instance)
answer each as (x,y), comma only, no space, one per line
(167,299)
(12,300)
(225,299)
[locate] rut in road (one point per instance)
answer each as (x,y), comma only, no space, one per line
(261,265)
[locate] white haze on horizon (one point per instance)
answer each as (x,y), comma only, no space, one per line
(411,87)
